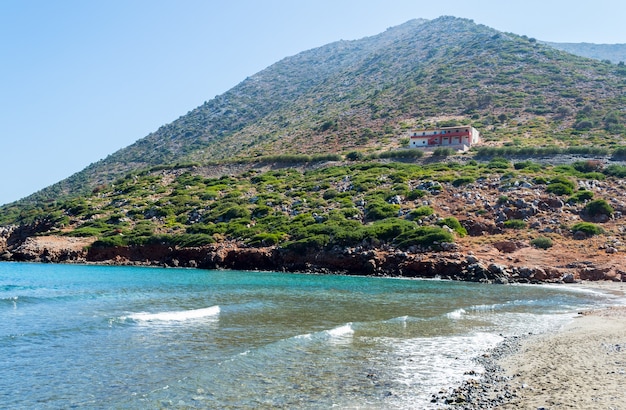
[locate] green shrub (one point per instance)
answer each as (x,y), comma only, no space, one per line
(405,153)
(454,224)
(515,224)
(381,210)
(266,239)
(599,207)
(261,211)
(415,194)
(527,165)
(499,163)
(109,241)
(542,242)
(233,213)
(443,152)
(421,211)
(580,196)
(330,194)
(424,236)
(559,189)
(187,240)
(389,229)
(355,156)
(86,231)
(618,171)
(597,176)
(619,153)
(349,212)
(587,228)
(560,179)
(588,166)
(462,181)
(92,228)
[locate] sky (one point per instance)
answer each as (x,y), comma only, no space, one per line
(80,79)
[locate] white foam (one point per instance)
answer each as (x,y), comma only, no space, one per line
(427,365)
(338,333)
(486,308)
(341,331)
(171,316)
(457,314)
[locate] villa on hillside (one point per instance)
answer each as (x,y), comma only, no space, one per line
(460,137)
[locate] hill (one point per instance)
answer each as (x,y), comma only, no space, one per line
(364,94)
(302,167)
(614,53)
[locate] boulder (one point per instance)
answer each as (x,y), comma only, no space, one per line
(579,235)
(550,204)
(509,246)
(593,273)
(539,274)
(480,227)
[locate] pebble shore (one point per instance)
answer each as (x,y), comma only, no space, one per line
(492,388)
(580,366)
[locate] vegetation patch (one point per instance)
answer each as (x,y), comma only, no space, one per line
(580,197)
(587,228)
(454,224)
(515,224)
(599,207)
(542,242)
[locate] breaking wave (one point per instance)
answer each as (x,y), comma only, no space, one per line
(174,316)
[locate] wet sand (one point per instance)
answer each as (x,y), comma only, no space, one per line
(582,366)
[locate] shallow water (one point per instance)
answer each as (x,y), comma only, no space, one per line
(128,337)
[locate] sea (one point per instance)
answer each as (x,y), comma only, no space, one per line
(104,337)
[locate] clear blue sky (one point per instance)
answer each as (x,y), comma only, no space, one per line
(80,79)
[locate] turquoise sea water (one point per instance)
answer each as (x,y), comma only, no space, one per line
(126,337)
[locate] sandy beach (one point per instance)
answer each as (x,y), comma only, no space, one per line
(582,366)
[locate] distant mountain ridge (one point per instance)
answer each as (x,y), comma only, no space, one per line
(363,94)
(614,53)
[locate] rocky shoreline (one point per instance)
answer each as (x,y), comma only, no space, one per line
(501,262)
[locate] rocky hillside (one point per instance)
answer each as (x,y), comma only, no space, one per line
(364,94)
(493,220)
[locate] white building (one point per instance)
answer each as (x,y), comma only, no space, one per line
(462,137)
